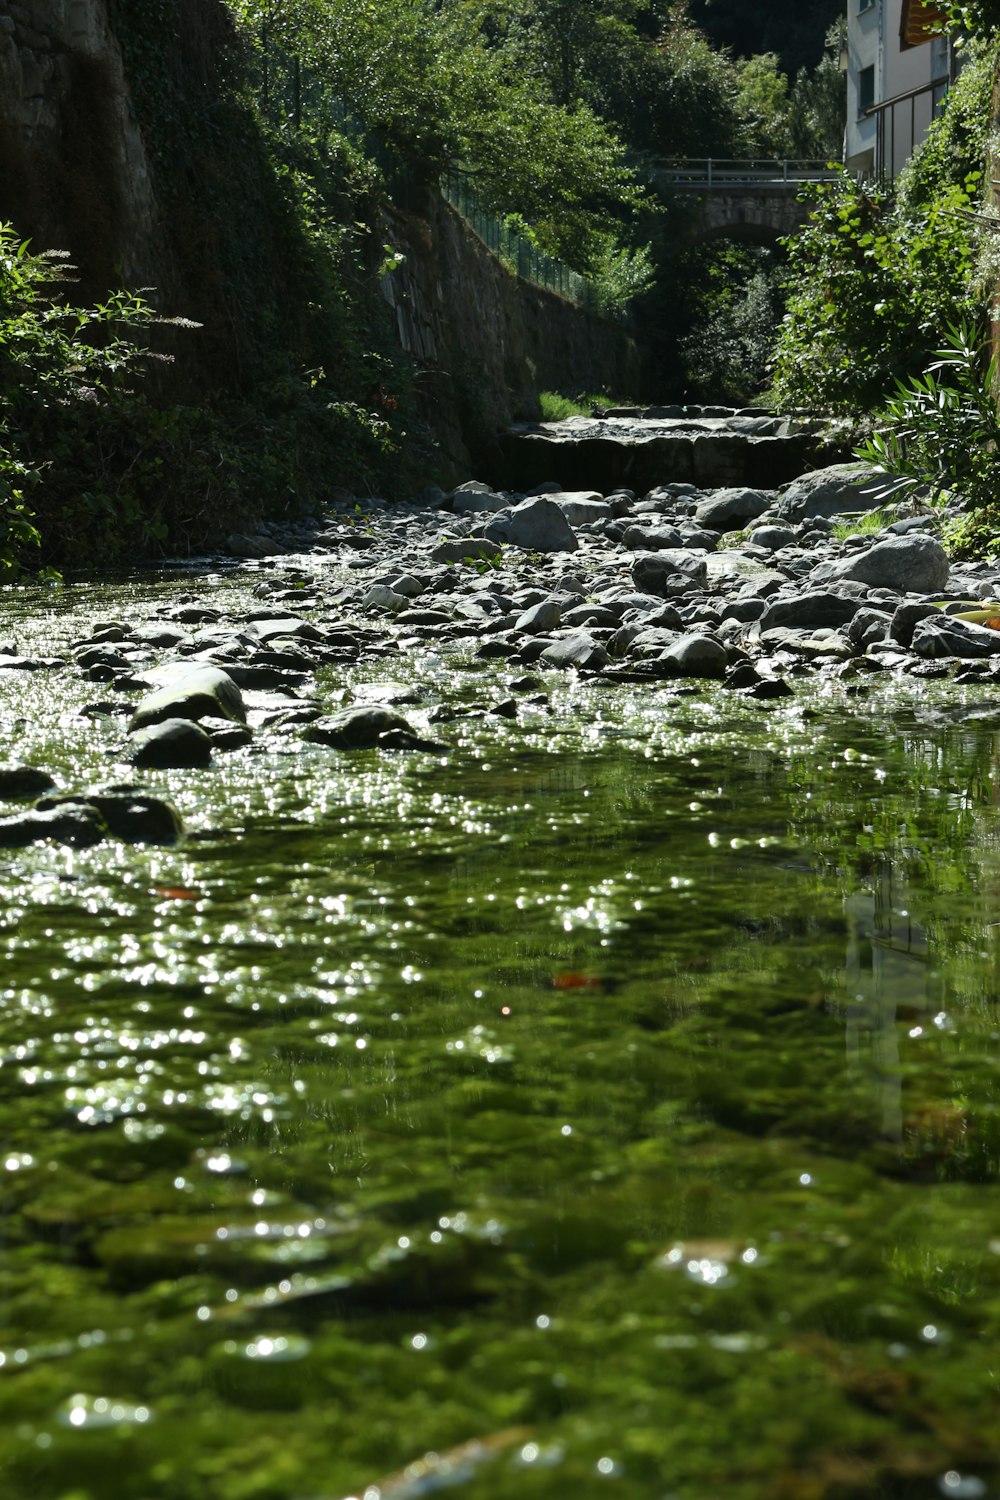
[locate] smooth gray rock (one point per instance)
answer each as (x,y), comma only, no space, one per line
(649,568)
(171,744)
(192,693)
(75,823)
(652,538)
(906,618)
(384,596)
(772,537)
(653,574)
(833,491)
(803,642)
(582,506)
(576,650)
(730,509)
(467,549)
(539,618)
(648,642)
(540,526)
(360,727)
(868,626)
(478,502)
(914,564)
(815,610)
(697,656)
(942,636)
(23,781)
(284,626)
(407,585)
(128,813)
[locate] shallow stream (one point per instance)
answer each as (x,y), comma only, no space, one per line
(608,1105)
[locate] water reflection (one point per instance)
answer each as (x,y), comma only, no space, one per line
(889,978)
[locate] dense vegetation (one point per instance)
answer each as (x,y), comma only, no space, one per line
(877,277)
(791,28)
(554,111)
(136,435)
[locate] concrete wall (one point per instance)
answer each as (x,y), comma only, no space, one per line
(486,342)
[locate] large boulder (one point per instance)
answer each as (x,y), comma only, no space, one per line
(23,781)
(200,692)
(365,726)
(124,812)
(730,509)
(578,650)
(480,501)
(697,656)
(540,526)
(466,549)
(75,823)
(283,627)
(833,491)
(914,564)
(668,573)
(171,744)
(652,538)
(815,610)
(543,616)
(581,506)
(941,636)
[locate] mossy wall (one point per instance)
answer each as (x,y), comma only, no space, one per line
(486,342)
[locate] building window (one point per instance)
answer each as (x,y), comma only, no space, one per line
(866,89)
(865,5)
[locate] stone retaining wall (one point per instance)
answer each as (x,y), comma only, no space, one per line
(487,342)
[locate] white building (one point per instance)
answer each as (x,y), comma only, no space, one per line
(898,73)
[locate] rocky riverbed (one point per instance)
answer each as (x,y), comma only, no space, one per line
(574,992)
(763,591)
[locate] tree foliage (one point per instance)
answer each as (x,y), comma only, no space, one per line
(876,279)
(977,17)
(433,85)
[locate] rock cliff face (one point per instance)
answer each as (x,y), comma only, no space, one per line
(73,168)
(487,342)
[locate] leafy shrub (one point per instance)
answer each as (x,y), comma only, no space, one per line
(871,288)
(738,306)
(941,431)
(875,278)
(94,471)
(63,372)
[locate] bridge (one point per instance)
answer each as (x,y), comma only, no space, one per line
(756,200)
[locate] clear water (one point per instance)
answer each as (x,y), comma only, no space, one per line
(608,1106)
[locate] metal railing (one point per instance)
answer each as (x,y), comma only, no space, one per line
(704,172)
(892,154)
(514,249)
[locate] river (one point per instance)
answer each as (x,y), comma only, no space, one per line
(607,1105)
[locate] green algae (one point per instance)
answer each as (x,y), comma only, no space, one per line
(617,1087)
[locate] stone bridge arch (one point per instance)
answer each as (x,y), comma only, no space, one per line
(753,202)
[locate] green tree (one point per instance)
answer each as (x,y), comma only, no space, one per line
(877,279)
(978,17)
(434,86)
